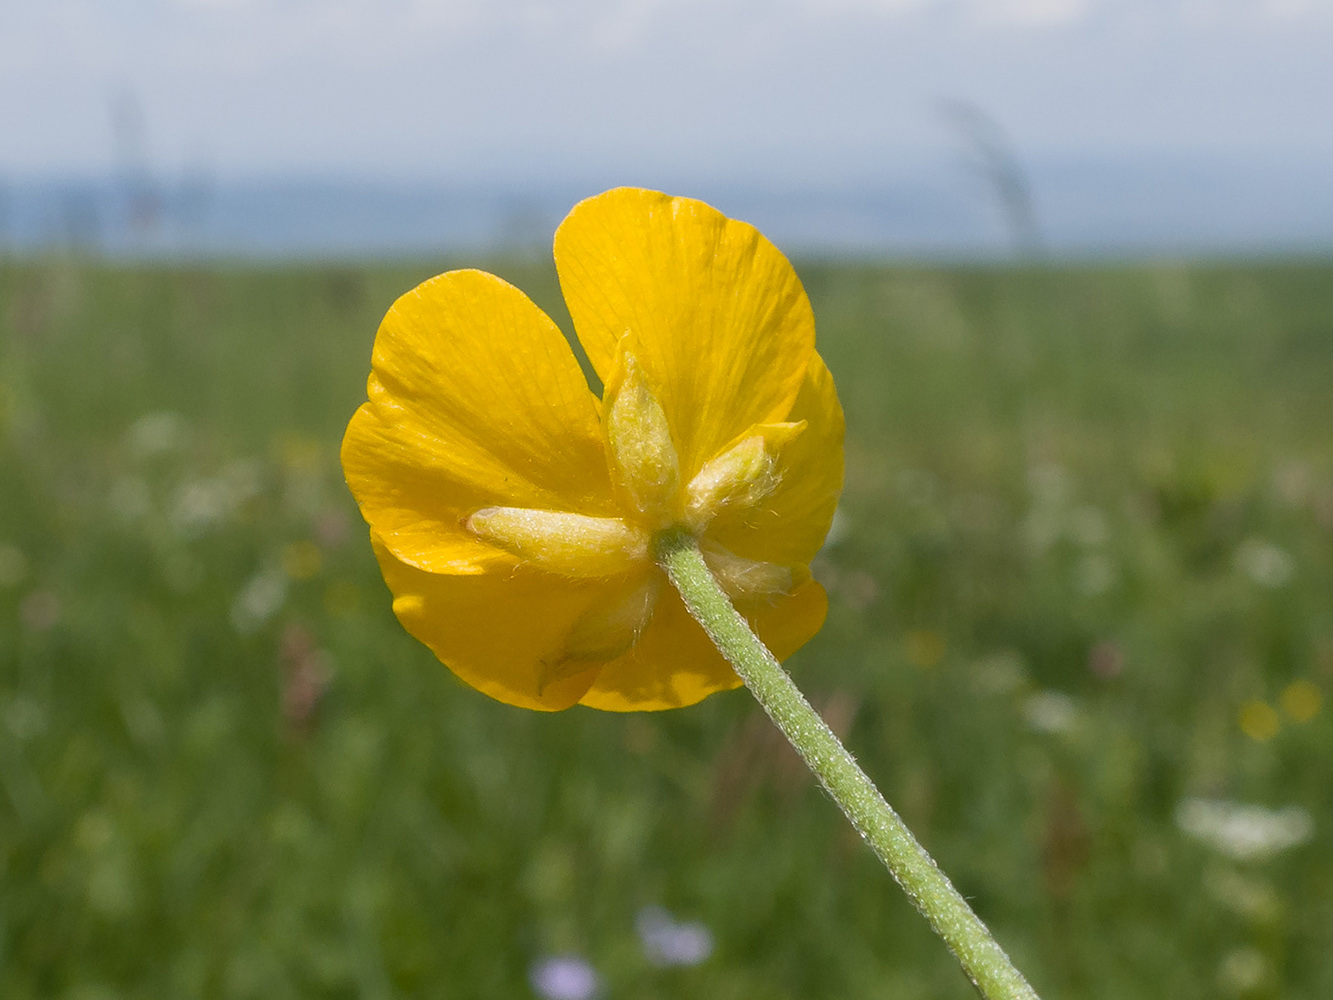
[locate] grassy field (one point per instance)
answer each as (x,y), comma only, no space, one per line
(1082,611)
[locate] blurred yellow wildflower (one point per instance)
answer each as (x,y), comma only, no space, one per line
(342,599)
(298,453)
(302,560)
(514,515)
(1302,700)
(925,649)
(1259,721)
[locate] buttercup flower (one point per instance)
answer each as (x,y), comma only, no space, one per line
(514,514)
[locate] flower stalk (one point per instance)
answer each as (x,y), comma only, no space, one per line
(931,892)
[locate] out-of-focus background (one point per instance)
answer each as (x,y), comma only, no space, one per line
(1070,262)
(941,128)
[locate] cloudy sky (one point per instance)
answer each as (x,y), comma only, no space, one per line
(789,89)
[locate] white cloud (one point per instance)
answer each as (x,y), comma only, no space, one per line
(428,85)
(1295,8)
(625,26)
(836,8)
(218,4)
(1022,12)
(1032,12)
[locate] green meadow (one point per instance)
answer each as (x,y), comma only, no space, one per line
(1080,632)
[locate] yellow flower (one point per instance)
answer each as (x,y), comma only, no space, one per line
(513,514)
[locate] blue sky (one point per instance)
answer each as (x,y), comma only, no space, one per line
(783,90)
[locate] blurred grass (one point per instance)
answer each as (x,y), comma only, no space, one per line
(1085,552)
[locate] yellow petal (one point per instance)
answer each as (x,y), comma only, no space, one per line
(505,634)
(722,326)
(675,664)
(789,526)
(476,400)
(413,499)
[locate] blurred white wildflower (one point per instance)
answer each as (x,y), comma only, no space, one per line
(1106,660)
(980,513)
(259,600)
(142,719)
(1323,508)
(130,499)
(40,610)
(1041,529)
(25,718)
(1265,563)
(156,434)
(667,941)
(1051,712)
(859,589)
(181,571)
(564,977)
(1094,574)
(838,529)
(1088,527)
(244,478)
(1293,482)
(1049,484)
(999,674)
(94,831)
(201,504)
(917,487)
(1050,519)
(198,505)
(1245,895)
(304,495)
(1242,971)
(332,527)
(1244,832)
(13,566)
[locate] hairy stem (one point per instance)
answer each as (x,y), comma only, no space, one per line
(930,890)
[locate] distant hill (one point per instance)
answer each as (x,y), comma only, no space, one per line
(1087,208)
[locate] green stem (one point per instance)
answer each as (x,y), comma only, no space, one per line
(930,890)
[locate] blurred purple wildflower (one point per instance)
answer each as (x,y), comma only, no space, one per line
(564,977)
(667,942)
